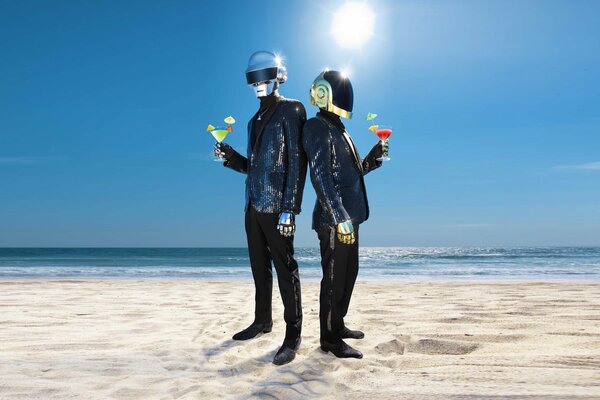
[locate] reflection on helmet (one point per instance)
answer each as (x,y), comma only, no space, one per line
(332,91)
(265,72)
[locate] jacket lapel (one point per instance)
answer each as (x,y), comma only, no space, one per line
(251,137)
(347,138)
(353,148)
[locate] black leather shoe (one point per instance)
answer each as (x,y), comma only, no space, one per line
(287,351)
(340,349)
(253,330)
(350,334)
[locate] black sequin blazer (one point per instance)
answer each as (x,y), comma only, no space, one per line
(275,163)
(336,172)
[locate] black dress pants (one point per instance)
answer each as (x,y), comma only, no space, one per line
(265,246)
(340,269)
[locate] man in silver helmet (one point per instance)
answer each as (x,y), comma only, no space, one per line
(336,172)
(275,165)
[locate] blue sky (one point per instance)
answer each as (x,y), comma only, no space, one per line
(103,107)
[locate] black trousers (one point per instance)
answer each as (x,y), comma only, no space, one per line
(266,246)
(340,269)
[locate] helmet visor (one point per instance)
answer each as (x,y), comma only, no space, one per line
(261,75)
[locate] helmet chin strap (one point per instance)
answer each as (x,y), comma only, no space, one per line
(265,89)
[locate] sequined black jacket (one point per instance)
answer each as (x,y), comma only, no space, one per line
(275,161)
(337,171)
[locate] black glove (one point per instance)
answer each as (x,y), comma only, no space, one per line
(377,150)
(223,150)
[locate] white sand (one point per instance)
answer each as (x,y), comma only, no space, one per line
(171,340)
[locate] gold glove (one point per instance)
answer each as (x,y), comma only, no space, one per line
(345,232)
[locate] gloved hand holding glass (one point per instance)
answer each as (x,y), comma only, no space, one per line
(220,133)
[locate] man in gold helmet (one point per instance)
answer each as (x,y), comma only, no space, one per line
(337,172)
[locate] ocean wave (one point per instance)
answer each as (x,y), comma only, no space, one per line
(233,263)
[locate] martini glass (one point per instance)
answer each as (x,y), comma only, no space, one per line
(219,133)
(384,132)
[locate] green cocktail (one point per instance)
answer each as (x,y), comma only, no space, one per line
(219,134)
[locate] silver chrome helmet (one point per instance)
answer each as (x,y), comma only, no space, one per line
(265,73)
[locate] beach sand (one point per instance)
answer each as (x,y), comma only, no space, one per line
(152,339)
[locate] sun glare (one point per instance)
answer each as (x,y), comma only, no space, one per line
(353,24)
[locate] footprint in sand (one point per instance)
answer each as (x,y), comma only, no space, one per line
(291,385)
(460,320)
(392,347)
(434,346)
(176,366)
(376,312)
(467,337)
(580,362)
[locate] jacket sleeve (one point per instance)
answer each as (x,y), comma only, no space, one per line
(296,158)
(370,162)
(238,162)
(317,144)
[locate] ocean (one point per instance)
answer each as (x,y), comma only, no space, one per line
(376,263)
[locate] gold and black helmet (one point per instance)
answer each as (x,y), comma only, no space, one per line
(332,91)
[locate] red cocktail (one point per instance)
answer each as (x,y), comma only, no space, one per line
(383,133)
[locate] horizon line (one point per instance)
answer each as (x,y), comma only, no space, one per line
(296,247)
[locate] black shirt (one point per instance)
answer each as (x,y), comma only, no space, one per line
(268,104)
(333,118)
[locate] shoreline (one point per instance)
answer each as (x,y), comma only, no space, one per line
(443,280)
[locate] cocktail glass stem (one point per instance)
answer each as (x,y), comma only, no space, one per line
(385,155)
(217,158)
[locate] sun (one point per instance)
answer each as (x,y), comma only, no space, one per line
(353,24)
